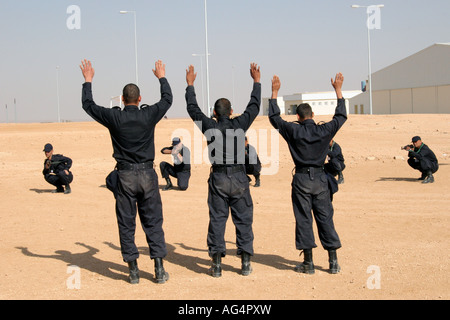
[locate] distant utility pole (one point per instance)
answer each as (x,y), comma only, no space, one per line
(57,92)
(373,22)
(207,60)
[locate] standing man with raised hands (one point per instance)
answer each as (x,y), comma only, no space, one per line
(132,133)
(308,144)
(228,186)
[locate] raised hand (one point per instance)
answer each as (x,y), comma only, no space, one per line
(191,75)
(160,69)
(276,85)
(87,70)
(337,84)
(255,72)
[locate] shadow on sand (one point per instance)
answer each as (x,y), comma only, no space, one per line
(119,271)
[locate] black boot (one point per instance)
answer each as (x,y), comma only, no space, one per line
(68,190)
(246,266)
(257,182)
(59,189)
(307,265)
(169,184)
(160,274)
(429,178)
(340,177)
(134,272)
(216,269)
(423,176)
(332,259)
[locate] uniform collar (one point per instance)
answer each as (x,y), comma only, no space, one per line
(223,118)
(307,121)
(131,107)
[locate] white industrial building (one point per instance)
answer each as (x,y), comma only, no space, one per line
(419,83)
(322,103)
(265,105)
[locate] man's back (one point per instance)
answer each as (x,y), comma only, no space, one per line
(308,142)
(131,129)
(226,136)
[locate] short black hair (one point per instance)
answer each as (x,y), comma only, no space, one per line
(222,107)
(131,93)
(304,110)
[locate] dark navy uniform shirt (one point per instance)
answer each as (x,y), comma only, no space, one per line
(57,164)
(185,164)
(308,142)
(226,136)
(335,152)
(423,152)
(132,129)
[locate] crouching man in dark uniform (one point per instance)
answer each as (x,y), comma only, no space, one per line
(182,165)
(423,159)
(308,144)
(335,164)
(132,133)
(252,163)
(57,170)
(228,186)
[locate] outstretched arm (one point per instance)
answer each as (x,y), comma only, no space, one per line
(192,107)
(340,114)
(159,109)
(99,114)
(284,127)
(252,110)
(274,110)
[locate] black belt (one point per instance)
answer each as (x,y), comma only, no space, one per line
(308,169)
(135,166)
(228,169)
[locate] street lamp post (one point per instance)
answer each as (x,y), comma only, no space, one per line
(207,61)
(135,41)
(57,93)
(368,47)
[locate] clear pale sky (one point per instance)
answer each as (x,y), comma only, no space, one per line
(304,42)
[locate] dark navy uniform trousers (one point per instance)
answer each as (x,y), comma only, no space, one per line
(178,172)
(138,191)
(229,192)
(60,179)
(310,192)
(423,165)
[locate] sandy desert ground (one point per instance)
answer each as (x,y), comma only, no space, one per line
(394,230)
